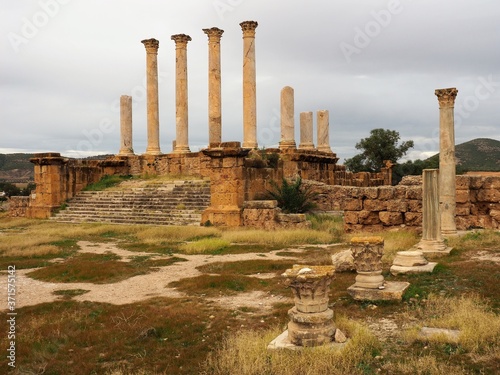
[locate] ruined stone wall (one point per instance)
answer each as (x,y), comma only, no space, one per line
(393,207)
(18,206)
(265,214)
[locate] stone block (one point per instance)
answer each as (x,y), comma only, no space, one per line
(369,217)
(343,261)
(462,196)
(397,205)
(391,218)
(267,204)
(462,210)
(462,182)
(492,182)
(351,204)
(400,192)
(414,192)
(351,217)
(374,205)
(413,219)
(489,195)
(385,192)
(415,206)
(393,291)
(369,192)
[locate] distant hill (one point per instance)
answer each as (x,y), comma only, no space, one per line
(480,154)
(16,168)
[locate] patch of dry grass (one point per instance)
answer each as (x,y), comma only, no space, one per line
(245,353)
(170,234)
(279,238)
(204,246)
(422,365)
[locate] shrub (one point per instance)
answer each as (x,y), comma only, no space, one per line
(292,197)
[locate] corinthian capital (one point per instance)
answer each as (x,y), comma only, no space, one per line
(181,40)
(151,45)
(446,97)
(248,28)
(214,34)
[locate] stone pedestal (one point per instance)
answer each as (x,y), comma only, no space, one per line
(181,93)
(152,46)
(311,321)
(370,285)
(227,187)
(411,262)
(287,119)
(323,127)
(249,85)
(306,131)
(447,162)
(126,126)
(214,87)
(432,240)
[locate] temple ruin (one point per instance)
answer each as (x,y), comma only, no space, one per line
(240,173)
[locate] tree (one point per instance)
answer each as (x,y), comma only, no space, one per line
(379,146)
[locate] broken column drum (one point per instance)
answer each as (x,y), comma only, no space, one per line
(311,321)
(367,253)
(306,131)
(287,119)
(126,126)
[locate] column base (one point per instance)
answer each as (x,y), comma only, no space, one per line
(325,149)
(153,151)
(432,246)
(287,145)
(249,145)
(126,152)
(393,291)
(306,146)
(181,149)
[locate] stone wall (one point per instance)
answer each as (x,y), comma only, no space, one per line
(18,206)
(267,215)
(395,207)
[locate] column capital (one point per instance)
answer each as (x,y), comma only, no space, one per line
(446,97)
(214,34)
(181,40)
(248,28)
(151,45)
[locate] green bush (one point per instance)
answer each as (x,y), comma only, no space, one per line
(292,197)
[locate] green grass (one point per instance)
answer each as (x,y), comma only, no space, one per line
(106,182)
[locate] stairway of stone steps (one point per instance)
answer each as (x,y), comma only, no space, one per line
(162,203)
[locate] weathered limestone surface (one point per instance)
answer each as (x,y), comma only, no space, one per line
(447,161)
(18,206)
(411,261)
(343,261)
(287,119)
(214,87)
(126,126)
(311,321)
(152,46)
(265,214)
(181,93)
(323,127)
(306,131)
(249,85)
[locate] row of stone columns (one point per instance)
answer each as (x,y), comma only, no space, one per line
(214,94)
(306,125)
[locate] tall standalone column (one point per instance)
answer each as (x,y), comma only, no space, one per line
(214,87)
(447,184)
(126,126)
(287,119)
(323,124)
(181,93)
(152,45)
(306,131)
(249,85)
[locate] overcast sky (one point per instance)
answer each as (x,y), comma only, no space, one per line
(372,64)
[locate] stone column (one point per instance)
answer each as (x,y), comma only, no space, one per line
(447,184)
(214,87)
(306,131)
(181,93)
(311,321)
(249,85)
(287,119)
(153,147)
(323,124)
(432,240)
(126,126)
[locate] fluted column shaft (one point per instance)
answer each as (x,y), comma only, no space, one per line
(306,131)
(287,118)
(323,125)
(126,126)
(249,85)
(447,184)
(152,45)
(181,93)
(214,87)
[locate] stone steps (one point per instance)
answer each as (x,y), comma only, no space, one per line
(178,203)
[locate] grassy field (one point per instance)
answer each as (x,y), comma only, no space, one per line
(195,335)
